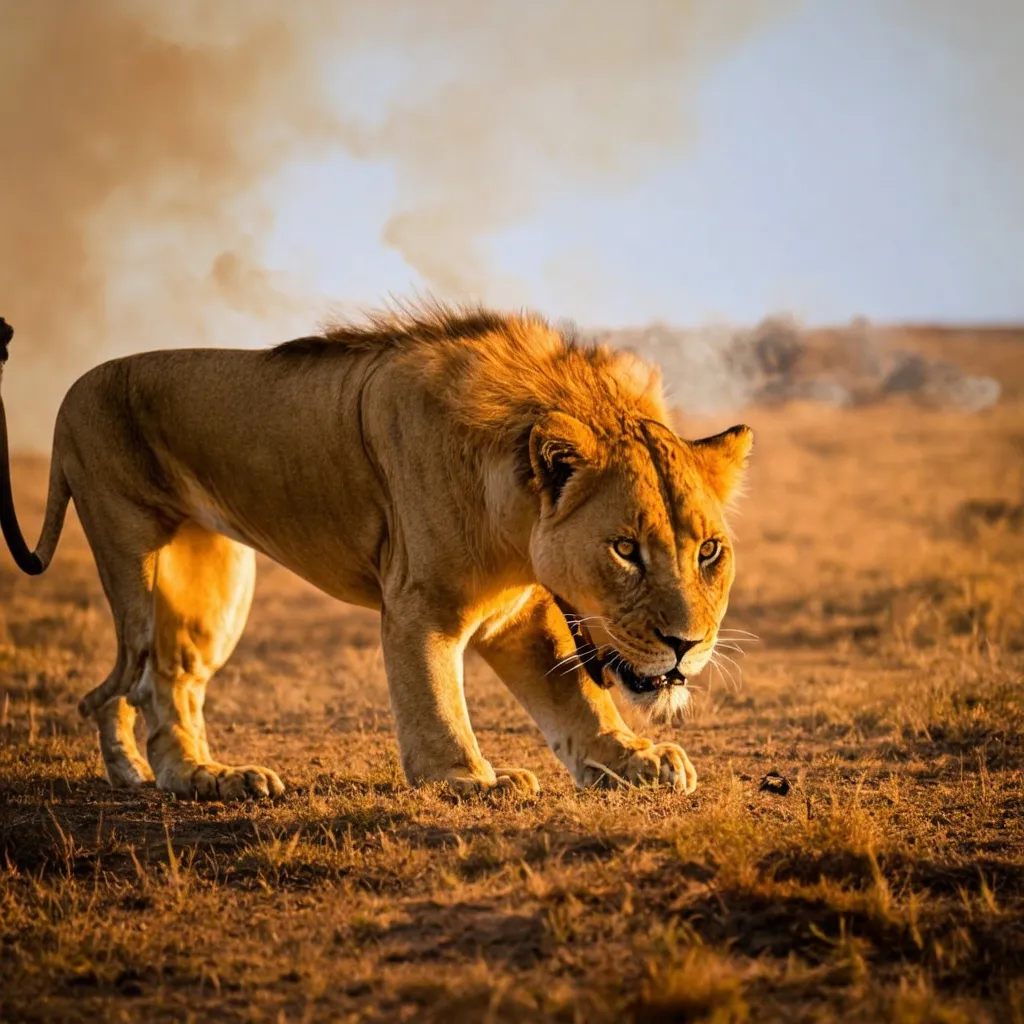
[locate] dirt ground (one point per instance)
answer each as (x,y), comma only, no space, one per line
(881,564)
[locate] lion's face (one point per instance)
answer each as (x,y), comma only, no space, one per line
(633,542)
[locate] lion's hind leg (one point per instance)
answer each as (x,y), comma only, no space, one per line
(126,571)
(201,598)
(126,768)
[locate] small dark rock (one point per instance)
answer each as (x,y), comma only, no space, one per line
(84,979)
(775,783)
(127,983)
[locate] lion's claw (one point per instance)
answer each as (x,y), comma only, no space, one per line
(643,763)
(515,781)
(224,782)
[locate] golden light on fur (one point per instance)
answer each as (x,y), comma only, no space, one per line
(464,471)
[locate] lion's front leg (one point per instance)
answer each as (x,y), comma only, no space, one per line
(579,720)
(424,667)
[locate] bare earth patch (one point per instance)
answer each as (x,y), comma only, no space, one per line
(882,565)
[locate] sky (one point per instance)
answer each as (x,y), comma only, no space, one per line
(194,174)
(841,165)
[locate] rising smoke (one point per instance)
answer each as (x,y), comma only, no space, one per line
(129,148)
(137,134)
(543,98)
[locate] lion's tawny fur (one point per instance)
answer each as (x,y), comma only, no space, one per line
(451,467)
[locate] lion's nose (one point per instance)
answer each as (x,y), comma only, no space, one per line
(680,645)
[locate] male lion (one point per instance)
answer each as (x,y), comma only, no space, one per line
(481,479)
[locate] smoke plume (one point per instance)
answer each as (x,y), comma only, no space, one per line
(537,99)
(129,148)
(137,135)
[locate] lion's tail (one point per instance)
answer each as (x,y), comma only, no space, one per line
(31,562)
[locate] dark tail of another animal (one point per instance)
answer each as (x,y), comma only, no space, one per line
(31,562)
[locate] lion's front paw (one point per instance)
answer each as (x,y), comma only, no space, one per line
(520,781)
(663,764)
(225,782)
(514,781)
(642,763)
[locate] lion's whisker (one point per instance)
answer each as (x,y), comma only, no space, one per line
(743,632)
(728,679)
(732,662)
(578,620)
(729,646)
(726,673)
(580,662)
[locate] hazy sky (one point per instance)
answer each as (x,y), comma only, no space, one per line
(849,157)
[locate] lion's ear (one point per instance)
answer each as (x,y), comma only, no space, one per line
(723,459)
(559,446)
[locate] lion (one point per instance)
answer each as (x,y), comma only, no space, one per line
(484,480)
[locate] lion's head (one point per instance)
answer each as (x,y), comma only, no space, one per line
(632,540)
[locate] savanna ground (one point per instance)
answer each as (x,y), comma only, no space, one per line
(882,565)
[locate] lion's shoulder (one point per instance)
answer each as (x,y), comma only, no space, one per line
(490,371)
(399,327)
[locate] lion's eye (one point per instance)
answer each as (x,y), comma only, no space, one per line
(709,551)
(627,549)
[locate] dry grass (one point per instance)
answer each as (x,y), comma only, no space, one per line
(883,567)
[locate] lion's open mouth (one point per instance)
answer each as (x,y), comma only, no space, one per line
(626,676)
(612,668)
